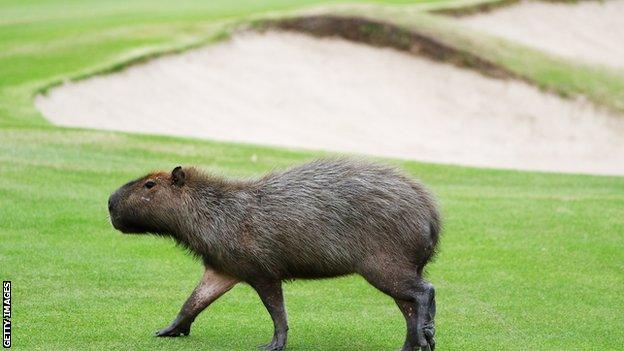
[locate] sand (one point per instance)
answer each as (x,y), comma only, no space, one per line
(293,90)
(589,31)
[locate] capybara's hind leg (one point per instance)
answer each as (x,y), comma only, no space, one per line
(420,319)
(415,298)
(271,295)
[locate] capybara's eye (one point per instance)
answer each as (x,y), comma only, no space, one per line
(149,184)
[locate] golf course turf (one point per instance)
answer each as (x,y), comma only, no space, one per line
(527,260)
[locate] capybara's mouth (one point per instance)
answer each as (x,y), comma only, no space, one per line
(124,227)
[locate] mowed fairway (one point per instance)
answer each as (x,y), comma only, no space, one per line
(527,260)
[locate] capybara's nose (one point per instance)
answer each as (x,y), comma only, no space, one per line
(112,200)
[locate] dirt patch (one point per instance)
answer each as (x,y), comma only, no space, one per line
(387,35)
(590,31)
(483,7)
(288,89)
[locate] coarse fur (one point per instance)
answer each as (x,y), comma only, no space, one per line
(326,218)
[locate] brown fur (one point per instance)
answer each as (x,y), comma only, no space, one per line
(322,219)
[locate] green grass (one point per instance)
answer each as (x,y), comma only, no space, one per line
(527,261)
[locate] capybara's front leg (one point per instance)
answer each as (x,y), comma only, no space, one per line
(271,295)
(210,288)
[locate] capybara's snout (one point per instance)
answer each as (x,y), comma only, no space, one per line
(127,213)
(113,211)
(112,202)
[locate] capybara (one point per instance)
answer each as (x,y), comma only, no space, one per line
(326,218)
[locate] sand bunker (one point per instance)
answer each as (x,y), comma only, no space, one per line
(591,31)
(293,90)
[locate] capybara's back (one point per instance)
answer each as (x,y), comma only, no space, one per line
(321,219)
(332,217)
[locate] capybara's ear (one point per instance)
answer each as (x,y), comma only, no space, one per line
(178,177)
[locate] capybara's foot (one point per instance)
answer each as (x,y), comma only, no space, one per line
(175,330)
(429,331)
(273,346)
(428,347)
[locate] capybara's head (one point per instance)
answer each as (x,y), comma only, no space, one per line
(149,204)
